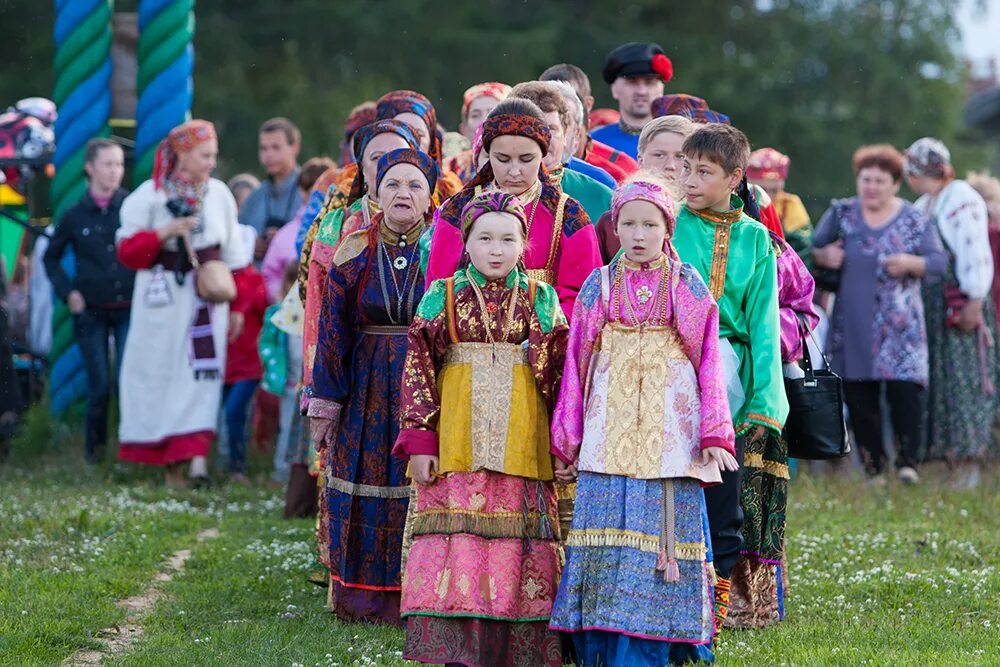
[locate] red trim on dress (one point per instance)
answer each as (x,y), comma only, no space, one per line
(171,449)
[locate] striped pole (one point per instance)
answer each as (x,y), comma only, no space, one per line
(83,95)
(165,84)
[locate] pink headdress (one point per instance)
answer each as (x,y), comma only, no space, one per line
(655,194)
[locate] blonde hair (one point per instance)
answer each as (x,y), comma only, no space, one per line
(676,124)
(985,184)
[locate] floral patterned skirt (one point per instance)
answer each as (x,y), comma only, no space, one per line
(482,566)
(611,585)
(963,397)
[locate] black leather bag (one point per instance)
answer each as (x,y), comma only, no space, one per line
(815,428)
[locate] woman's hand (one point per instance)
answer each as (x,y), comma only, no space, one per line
(905,264)
(176,227)
(970,317)
(565,473)
(423,467)
(721,458)
(830,256)
(319,430)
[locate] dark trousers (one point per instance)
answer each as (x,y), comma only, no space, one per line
(907,412)
(92,329)
(725,517)
(236,399)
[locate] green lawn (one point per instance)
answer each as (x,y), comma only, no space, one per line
(893,576)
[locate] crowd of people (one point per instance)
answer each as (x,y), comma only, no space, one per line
(529,376)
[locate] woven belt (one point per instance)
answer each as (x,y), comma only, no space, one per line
(385,330)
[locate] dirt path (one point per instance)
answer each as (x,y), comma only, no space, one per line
(119,638)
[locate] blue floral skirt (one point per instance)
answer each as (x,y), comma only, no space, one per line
(620,608)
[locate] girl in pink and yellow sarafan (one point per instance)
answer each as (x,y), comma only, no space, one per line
(643,415)
(483,363)
(561,247)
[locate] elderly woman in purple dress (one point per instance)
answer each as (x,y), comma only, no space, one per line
(883,247)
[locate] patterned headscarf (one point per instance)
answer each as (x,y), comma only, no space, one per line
(495,89)
(654,193)
(677,104)
(181,139)
(768,164)
(492,201)
(518,125)
(477,146)
(707,116)
(361,115)
(361,140)
(928,157)
(397,102)
(416,157)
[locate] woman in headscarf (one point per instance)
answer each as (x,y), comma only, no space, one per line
(477,102)
(361,115)
(562,245)
(370,143)
(373,289)
(171,373)
(961,325)
(417,111)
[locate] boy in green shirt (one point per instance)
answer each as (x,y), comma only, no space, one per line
(734,255)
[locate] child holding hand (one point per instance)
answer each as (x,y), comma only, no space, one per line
(643,419)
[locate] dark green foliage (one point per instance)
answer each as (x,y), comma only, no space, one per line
(814,78)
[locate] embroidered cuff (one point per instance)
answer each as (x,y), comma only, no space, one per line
(415,441)
(722,443)
(323,409)
(764,420)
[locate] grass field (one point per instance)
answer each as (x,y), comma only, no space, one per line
(879,576)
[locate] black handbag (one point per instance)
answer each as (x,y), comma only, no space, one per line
(815,428)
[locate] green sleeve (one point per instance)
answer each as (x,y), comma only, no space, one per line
(766,402)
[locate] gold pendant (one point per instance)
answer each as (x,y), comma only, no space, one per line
(643,294)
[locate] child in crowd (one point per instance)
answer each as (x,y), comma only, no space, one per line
(734,254)
(643,418)
(281,354)
(481,560)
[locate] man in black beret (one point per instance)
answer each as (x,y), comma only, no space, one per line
(636,73)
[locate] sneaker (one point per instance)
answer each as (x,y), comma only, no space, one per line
(908,475)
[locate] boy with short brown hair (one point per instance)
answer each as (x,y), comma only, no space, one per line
(734,255)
